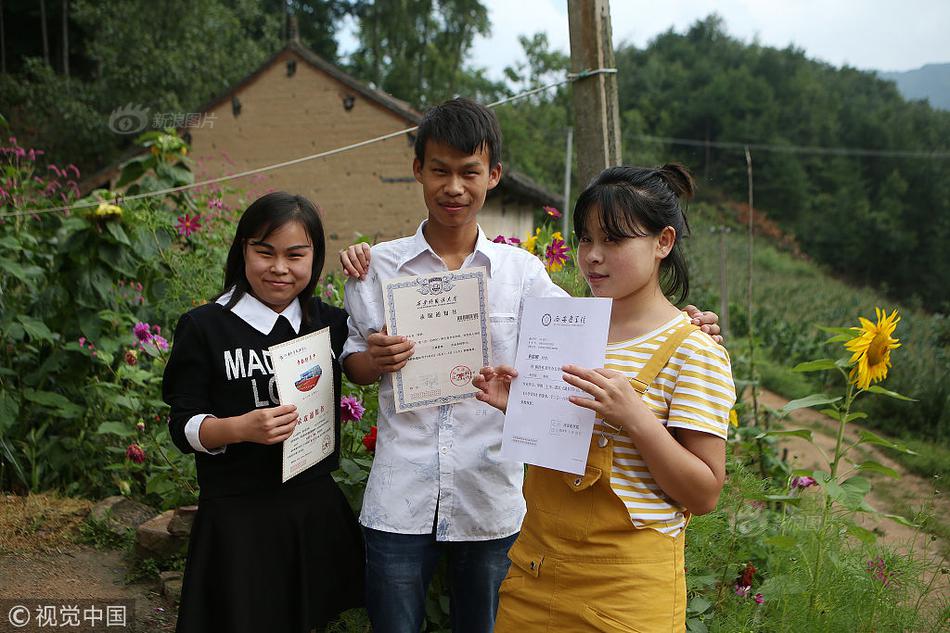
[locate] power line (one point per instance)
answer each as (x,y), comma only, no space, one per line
(570,77)
(797,149)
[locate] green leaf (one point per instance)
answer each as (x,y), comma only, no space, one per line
(115,428)
(26,274)
(9,409)
(853,492)
(35,328)
(890,394)
(160,485)
(813,400)
(56,401)
(695,625)
(805,434)
(115,230)
(899,519)
(782,541)
(840,338)
(815,365)
(862,534)
(867,437)
(698,605)
(875,467)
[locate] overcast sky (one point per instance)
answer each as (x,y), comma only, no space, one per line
(867,34)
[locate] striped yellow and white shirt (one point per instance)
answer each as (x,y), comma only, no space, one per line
(694,391)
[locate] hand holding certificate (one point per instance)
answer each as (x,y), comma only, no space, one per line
(444,314)
(542,427)
(303,368)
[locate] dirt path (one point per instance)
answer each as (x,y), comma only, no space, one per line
(904,496)
(40,558)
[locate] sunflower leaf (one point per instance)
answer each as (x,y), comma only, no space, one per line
(888,393)
(875,467)
(867,437)
(815,365)
(805,434)
(813,400)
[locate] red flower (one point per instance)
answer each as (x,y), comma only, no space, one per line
(188,224)
(369,440)
(745,578)
(135,453)
(131,357)
(551,211)
(556,254)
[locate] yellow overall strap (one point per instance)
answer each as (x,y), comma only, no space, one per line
(660,358)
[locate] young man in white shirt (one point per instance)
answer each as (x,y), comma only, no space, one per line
(437,486)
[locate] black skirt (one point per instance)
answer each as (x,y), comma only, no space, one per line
(287,560)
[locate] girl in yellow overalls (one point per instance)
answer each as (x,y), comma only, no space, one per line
(604,551)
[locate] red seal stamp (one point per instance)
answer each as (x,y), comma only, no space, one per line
(460,375)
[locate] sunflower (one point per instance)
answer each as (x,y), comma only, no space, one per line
(872,347)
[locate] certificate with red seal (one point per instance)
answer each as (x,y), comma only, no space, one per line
(445,315)
(303,371)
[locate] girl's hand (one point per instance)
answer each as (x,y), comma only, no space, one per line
(268,426)
(615,399)
(355,260)
(494,384)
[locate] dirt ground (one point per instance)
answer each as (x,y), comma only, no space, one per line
(41,558)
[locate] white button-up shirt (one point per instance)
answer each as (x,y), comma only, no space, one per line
(440,467)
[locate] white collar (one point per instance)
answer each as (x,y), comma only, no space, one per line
(259,316)
(418,245)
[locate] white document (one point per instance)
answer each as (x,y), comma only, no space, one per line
(445,315)
(542,427)
(303,369)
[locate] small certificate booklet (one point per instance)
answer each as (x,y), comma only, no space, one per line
(303,368)
(445,315)
(542,427)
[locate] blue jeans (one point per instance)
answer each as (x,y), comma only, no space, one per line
(399,568)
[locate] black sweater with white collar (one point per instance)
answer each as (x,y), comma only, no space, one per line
(219,366)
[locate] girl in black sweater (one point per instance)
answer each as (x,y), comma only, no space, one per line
(263,556)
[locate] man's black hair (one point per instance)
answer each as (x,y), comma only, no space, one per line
(463,124)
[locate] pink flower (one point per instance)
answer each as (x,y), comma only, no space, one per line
(759,598)
(556,254)
(188,224)
(803,482)
(511,241)
(878,569)
(135,453)
(743,590)
(351,408)
(551,211)
(140,426)
(142,331)
(82,341)
(160,343)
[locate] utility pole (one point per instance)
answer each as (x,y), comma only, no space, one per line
(566,209)
(596,110)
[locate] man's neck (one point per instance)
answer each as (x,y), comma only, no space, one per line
(452,244)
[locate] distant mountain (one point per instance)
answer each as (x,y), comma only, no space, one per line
(931,82)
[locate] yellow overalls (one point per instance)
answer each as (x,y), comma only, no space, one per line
(579,563)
